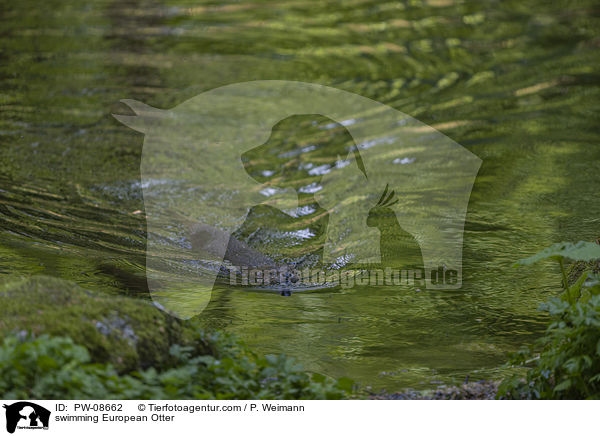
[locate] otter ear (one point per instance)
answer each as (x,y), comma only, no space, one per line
(144,116)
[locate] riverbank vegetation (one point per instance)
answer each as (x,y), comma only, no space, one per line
(54,367)
(61,341)
(565,362)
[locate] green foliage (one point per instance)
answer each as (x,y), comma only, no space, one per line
(55,367)
(569,365)
(52,368)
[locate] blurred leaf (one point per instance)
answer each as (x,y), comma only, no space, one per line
(582,250)
(574,291)
(563,385)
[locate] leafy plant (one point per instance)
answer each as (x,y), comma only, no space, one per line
(569,365)
(54,367)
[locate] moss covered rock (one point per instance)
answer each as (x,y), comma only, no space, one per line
(128,333)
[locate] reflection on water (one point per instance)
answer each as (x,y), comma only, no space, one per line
(513,82)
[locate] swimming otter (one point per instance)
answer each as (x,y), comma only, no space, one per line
(209,240)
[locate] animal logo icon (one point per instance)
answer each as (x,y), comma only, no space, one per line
(192,166)
(26,415)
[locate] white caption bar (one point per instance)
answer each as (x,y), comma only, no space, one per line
(295,417)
